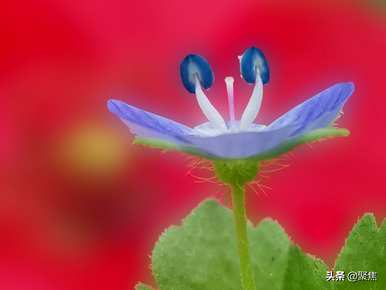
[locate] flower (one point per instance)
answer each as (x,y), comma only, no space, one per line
(241,139)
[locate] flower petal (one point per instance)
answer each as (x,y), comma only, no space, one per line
(240,144)
(148,125)
(309,137)
(271,153)
(317,112)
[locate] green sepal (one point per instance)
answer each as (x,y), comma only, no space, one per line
(236,172)
(310,137)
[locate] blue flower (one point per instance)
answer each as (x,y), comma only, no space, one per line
(219,139)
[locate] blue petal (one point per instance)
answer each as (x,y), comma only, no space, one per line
(242,144)
(148,125)
(253,59)
(317,112)
(195,65)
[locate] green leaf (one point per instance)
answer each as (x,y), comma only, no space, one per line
(365,250)
(141,286)
(201,254)
(280,265)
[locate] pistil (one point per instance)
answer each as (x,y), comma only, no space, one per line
(231,101)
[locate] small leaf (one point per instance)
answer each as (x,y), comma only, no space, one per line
(201,254)
(141,286)
(365,250)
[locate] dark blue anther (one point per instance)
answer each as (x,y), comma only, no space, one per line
(195,66)
(253,60)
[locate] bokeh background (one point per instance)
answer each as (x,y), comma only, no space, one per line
(80,207)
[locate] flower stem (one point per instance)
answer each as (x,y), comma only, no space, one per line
(238,201)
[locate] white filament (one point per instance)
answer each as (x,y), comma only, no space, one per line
(208,109)
(231,100)
(254,104)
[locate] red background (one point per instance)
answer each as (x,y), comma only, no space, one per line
(80,208)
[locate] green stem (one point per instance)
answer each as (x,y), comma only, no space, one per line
(238,200)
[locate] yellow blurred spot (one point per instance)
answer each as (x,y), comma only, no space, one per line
(94,150)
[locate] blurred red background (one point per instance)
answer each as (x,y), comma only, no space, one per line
(80,208)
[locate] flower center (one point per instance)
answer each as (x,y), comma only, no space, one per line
(217,121)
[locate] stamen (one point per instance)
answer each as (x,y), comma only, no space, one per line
(231,100)
(208,109)
(254,104)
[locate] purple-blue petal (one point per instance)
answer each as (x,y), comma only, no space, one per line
(317,112)
(242,144)
(149,125)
